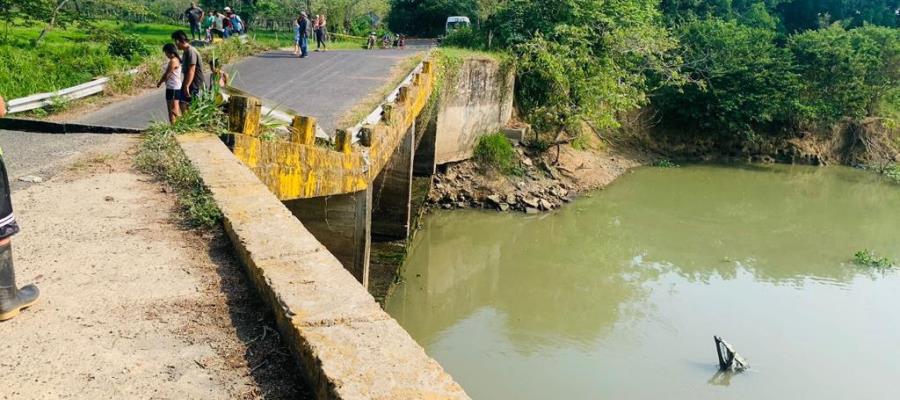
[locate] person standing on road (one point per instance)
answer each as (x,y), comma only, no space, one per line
(226,23)
(320,31)
(297,36)
(237,24)
(218,25)
(191,67)
(207,25)
(12,299)
(172,77)
(194,15)
(303,27)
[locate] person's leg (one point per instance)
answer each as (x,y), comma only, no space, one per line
(176,108)
(304,46)
(12,299)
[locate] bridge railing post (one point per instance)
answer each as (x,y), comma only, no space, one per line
(343,141)
(365,135)
(387,113)
(244,114)
(303,130)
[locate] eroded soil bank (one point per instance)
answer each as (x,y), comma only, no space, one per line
(133,305)
(546,180)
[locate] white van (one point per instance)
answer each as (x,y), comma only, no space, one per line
(454,23)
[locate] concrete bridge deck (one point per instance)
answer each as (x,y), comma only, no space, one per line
(323,85)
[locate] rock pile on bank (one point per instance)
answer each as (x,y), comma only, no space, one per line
(539,187)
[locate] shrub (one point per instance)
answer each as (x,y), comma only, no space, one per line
(128,47)
(466,38)
(582,60)
(496,151)
(741,82)
(846,73)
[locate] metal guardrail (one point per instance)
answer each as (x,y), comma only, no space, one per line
(42,100)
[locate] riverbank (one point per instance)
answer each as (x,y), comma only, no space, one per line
(543,180)
(133,305)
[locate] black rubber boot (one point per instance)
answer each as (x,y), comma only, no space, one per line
(12,299)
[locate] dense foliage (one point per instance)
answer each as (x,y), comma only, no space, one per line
(729,68)
(740,81)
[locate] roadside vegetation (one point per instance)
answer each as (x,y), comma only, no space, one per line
(159,155)
(48,45)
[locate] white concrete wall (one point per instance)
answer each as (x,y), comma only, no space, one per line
(480,102)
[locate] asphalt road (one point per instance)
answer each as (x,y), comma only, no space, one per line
(323,85)
(44,155)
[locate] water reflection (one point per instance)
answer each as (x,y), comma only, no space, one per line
(623,279)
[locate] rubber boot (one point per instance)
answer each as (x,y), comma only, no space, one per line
(12,299)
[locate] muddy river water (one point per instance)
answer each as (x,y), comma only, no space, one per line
(618,295)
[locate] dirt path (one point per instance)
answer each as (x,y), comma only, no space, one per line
(132,306)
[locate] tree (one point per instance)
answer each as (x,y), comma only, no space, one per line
(801,15)
(427,17)
(846,73)
(584,60)
(742,84)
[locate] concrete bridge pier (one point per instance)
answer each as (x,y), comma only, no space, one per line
(343,224)
(392,193)
(424,164)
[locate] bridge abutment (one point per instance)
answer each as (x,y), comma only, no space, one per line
(343,224)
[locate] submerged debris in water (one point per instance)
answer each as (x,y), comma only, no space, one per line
(729,360)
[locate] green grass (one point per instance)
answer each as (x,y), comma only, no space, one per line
(68,56)
(496,151)
(462,53)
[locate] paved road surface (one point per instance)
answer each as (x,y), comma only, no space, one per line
(324,85)
(44,155)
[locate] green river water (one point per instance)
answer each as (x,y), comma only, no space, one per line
(618,295)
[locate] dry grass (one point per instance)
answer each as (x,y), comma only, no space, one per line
(364,107)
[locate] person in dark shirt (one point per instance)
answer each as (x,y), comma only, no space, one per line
(12,299)
(303,26)
(191,67)
(194,15)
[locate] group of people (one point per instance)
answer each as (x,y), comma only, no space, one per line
(302,28)
(206,26)
(184,77)
(388,41)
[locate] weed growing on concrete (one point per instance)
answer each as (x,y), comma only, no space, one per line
(868,258)
(160,156)
(496,151)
